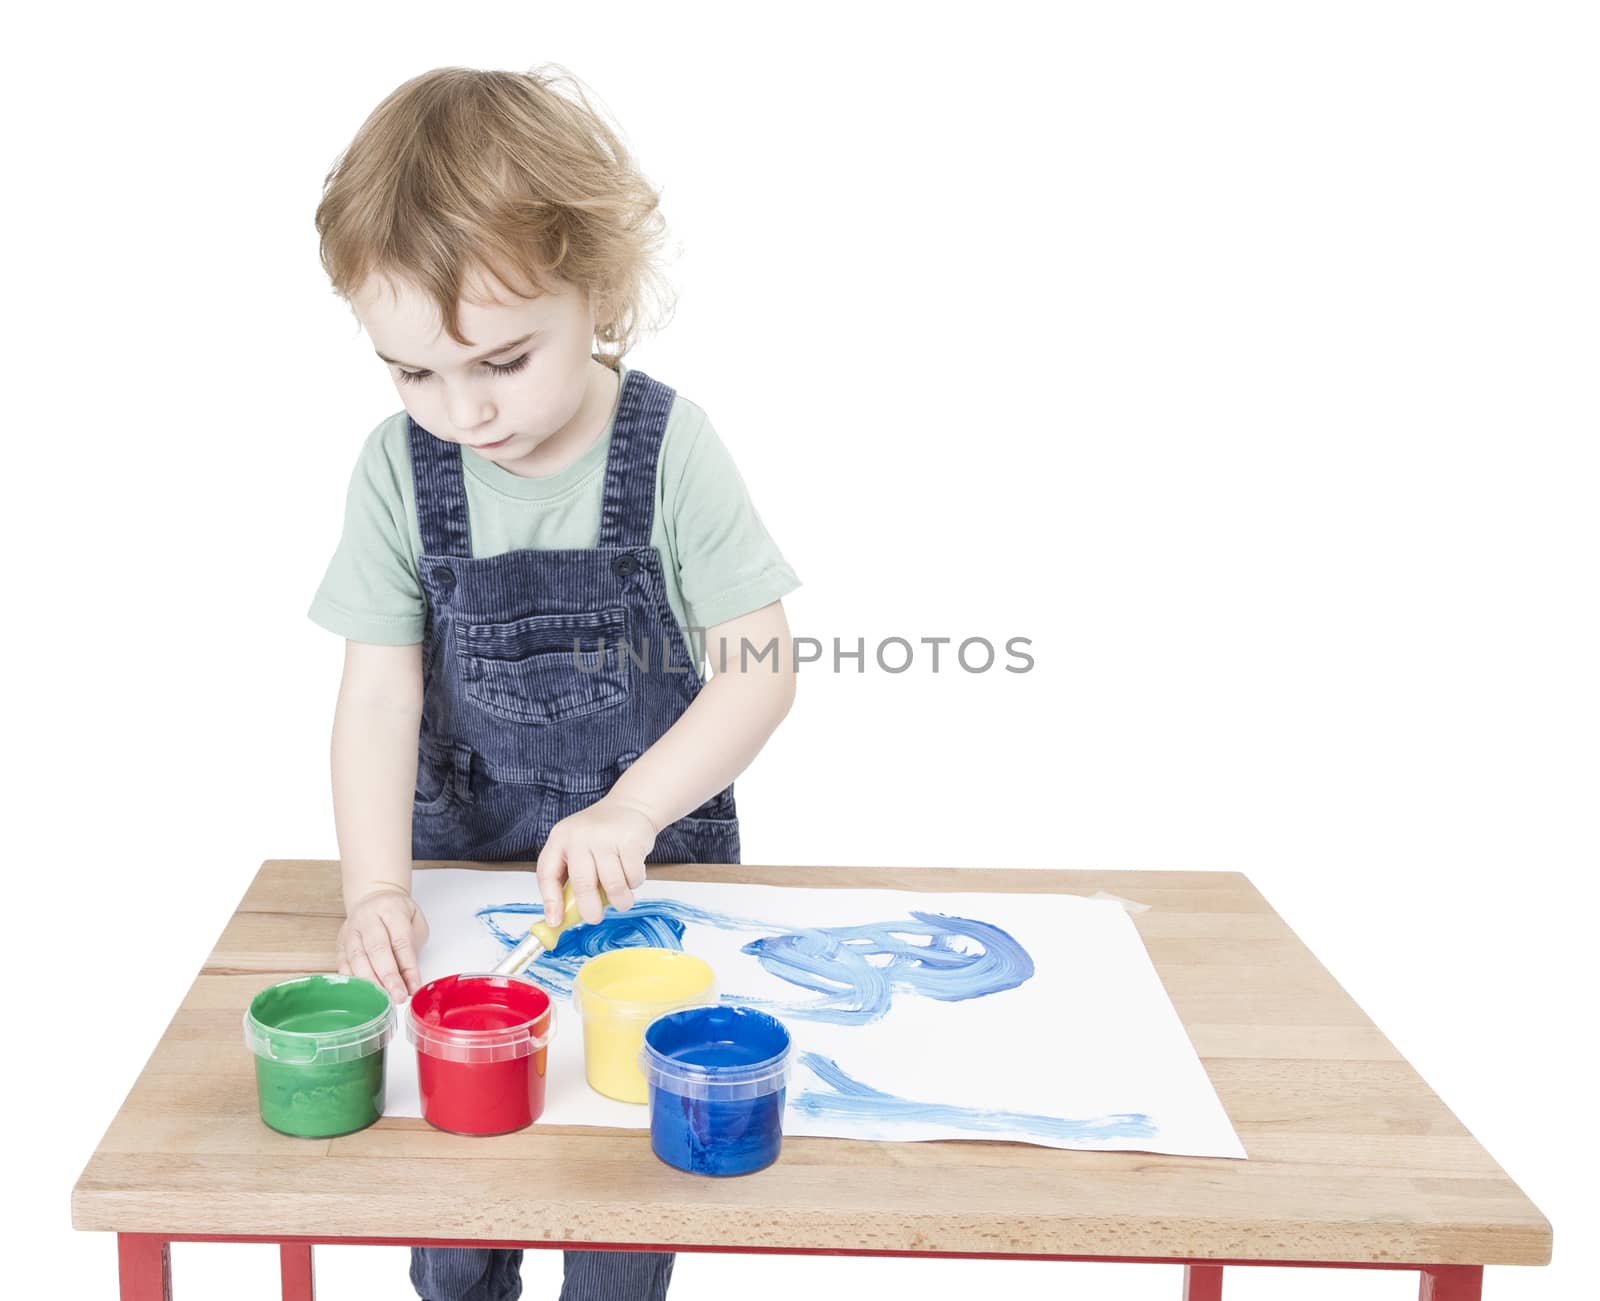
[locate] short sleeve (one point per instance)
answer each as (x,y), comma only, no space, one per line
(371,592)
(728,565)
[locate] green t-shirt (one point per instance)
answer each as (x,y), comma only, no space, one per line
(717,558)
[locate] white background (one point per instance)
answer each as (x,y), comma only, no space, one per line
(1240,356)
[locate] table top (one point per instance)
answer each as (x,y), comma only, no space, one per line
(1352,1156)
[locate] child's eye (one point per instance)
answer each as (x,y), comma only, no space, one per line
(510,368)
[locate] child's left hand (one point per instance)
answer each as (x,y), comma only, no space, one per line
(602,845)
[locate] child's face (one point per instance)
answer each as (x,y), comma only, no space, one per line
(505,402)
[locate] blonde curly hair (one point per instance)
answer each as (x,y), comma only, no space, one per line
(467,170)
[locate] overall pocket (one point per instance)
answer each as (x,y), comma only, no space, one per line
(548,667)
(435,790)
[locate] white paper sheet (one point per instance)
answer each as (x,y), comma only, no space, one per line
(1086,1051)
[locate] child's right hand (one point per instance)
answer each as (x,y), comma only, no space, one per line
(380,938)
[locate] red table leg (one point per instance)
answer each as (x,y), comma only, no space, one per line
(144,1267)
(299,1283)
(1452,1283)
(1202,1283)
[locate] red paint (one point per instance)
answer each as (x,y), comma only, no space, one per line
(481,1052)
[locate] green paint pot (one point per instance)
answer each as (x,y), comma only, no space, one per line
(319,1048)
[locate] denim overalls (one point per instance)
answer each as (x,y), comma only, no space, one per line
(516,735)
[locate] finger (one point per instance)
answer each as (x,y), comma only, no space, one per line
(633,865)
(614,879)
(360,964)
(405,953)
(585,885)
(552,870)
(380,952)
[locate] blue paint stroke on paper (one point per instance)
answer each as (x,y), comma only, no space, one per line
(855,969)
(847,1098)
(946,958)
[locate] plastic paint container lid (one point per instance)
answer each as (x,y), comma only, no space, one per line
(720,1054)
(318,1020)
(639,984)
(480,1017)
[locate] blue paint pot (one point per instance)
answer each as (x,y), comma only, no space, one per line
(717,1078)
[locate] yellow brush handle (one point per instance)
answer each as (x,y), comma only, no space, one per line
(547,933)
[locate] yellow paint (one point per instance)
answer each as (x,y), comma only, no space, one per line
(619,994)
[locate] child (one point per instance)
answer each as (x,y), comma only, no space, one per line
(524,549)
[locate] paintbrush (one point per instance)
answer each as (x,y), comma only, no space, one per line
(542,936)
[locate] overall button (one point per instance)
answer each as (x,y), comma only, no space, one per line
(445,577)
(625,564)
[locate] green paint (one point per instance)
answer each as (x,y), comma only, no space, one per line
(319,1047)
(320,1101)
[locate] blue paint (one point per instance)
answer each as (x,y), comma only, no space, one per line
(958,959)
(850,1099)
(650,924)
(856,970)
(718,1078)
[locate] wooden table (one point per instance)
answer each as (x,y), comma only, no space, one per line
(1354,1161)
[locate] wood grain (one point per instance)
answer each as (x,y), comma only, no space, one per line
(1353,1156)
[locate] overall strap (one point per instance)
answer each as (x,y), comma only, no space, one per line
(627,510)
(441,491)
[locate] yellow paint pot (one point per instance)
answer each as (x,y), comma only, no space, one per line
(618,994)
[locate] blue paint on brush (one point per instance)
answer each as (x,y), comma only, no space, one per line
(649,924)
(848,1098)
(856,970)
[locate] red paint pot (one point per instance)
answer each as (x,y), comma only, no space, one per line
(481,1050)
